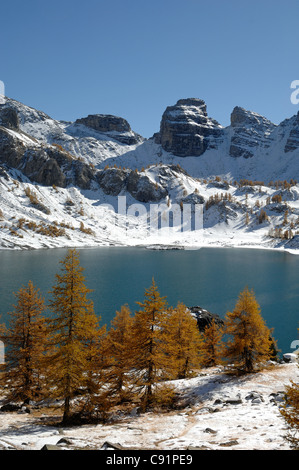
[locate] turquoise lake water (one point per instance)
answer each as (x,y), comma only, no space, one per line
(210,277)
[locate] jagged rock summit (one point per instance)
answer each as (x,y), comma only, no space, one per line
(250,131)
(251,147)
(292,142)
(186,129)
(61,179)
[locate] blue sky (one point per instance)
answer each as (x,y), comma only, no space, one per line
(132,58)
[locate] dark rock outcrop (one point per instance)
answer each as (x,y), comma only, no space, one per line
(117,127)
(9,118)
(43,167)
(28,138)
(250,131)
(46,165)
(140,186)
(193,199)
(205,318)
(187,130)
(105,123)
(112,180)
(292,142)
(12,108)
(143,189)
(11,149)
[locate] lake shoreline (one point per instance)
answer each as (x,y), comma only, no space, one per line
(153,246)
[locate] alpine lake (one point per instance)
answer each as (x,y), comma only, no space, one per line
(211,278)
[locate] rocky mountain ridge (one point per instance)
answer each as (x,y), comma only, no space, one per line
(71,174)
(187,130)
(252,146)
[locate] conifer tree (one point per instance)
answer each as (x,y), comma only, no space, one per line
(74,331)
(249,339)
(147,348)
(212,346)
(25,338)
(96,401)
(181,341)
(2,329)
(117,351)
(290,413)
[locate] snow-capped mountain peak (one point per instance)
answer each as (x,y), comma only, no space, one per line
(65,178)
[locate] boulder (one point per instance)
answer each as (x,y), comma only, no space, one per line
(210,431)
(278,397)
(290,357)
(64,441)
(254,396)
(50,447)
(234,401)
(111,446)
(232,442)
(257,401)
(10,407)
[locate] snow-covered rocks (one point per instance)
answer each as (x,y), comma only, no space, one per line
(221,412)
(291,357)
(118,128)
(249,132)
(186,129)
(88,158)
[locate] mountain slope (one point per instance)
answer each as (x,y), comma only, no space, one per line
(86,182)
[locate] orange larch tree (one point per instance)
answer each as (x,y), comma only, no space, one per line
(117,350)
(74,334)
(249,340)
(147,348)
(212,347)
(181,341)
(25,340)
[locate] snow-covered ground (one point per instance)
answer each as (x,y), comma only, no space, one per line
(75,211)
(221,413)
